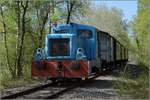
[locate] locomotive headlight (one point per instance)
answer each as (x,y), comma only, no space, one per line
(80,54)
(39,54)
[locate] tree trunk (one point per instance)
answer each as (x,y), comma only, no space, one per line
(18,34)
(69,9)
(21,39)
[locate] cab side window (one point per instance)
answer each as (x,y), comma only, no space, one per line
(87,34)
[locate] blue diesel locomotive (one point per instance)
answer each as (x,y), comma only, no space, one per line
(77,51)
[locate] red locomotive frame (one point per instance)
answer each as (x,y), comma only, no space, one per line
(66,69)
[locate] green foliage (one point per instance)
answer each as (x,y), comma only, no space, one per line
(139,89)
(4,78)
(141,26)
(56,16)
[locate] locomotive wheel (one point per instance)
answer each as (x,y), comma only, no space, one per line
(95,70)
(53,80)
(103,69)
(78,79)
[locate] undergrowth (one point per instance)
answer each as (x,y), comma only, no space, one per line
(6,81)
(137,88)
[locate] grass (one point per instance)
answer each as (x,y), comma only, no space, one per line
(136,89)
(7,82)
(15,83)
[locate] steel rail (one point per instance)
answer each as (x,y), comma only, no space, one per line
(27,91)
(54,96)
(57,94)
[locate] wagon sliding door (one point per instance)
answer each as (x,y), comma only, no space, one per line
(105,48)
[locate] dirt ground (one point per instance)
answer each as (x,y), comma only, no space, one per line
(100,89)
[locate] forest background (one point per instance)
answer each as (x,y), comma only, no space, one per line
(24,24)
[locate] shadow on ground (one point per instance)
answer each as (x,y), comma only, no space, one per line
(101,84)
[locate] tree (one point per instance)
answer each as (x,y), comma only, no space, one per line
(8,26)
(141,28)
(21,32)
(5,38)
(44,15)
(14,59)
(42,12)
(72,9)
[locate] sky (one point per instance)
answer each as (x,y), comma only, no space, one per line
(129,7)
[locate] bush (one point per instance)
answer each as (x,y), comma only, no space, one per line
(8,82)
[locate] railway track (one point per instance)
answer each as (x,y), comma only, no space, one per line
(60,92)
(48,91)
(27,91)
